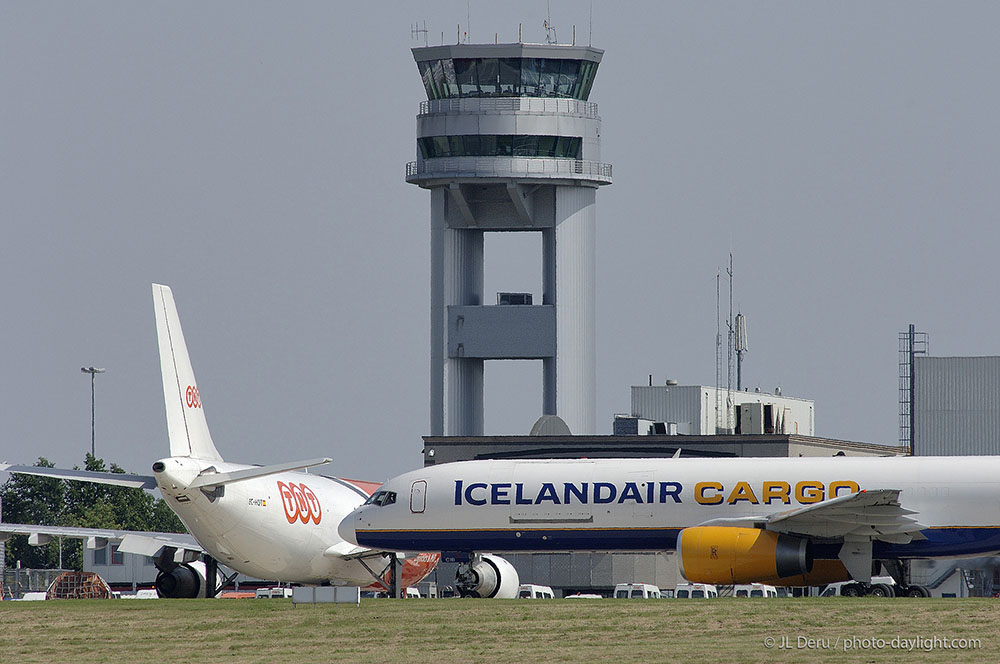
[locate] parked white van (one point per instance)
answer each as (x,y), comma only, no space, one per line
(754,590)
(273,593)
(636,591)
(531,591)
(695,591)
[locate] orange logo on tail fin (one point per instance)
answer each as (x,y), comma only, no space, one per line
(193,398)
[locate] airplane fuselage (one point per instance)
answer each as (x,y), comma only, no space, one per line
(273,527)
(642,504)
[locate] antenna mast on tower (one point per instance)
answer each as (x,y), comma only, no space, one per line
(732,335)
(550,30)
(416,31)
(718,352)
(741,348)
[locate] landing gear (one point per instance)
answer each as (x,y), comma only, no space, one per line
(881,590)
(898,569)
(389,577)
(914,591)
(853,590)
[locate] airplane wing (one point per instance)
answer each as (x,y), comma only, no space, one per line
(184,547)
(146,543)
(874,514)
(856,519)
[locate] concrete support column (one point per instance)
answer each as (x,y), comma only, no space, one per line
(549,370)
(456,279)
(575,266)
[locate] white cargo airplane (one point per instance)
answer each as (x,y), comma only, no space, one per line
(267,522)
(793,522)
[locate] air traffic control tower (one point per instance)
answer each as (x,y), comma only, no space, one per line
(507,141)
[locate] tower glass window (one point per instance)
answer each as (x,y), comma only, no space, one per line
(465,76)
(503,145)
(530,67)
(507,77)
(488,71)
(510,76)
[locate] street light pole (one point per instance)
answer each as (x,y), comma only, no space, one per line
(92,371)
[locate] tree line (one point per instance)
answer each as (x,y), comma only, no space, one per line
(48,501)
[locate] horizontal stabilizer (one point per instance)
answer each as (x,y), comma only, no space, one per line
(116,479)
(210,479)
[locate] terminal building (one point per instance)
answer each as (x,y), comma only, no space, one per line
(956,406)
(703,410)
(949,406)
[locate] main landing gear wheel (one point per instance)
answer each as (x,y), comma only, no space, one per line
(882,590)
(852,590)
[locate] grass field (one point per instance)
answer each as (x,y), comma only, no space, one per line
(465,630)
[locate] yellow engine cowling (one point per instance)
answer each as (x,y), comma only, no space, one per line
(721,555)
(823,572)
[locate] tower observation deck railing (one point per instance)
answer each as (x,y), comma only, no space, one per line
(511,105)
(508,167)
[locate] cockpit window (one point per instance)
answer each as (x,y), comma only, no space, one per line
(381,498)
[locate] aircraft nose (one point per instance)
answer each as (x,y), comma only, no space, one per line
(346,528)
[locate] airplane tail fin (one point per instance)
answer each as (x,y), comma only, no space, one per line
(186,423)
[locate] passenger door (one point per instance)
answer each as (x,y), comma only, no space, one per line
(418,497)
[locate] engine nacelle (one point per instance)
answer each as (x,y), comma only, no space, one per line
(488,576)
(721,555)
(183,581)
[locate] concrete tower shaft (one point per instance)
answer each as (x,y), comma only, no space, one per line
(507,141)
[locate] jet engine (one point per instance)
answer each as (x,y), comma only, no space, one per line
(185,581)
(721,555)
(487,575)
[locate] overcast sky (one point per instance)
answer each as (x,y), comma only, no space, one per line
(251,156)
